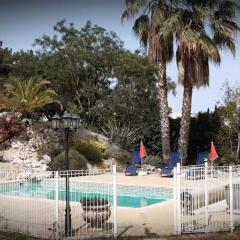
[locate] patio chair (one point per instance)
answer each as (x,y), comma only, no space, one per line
(167,171)
(201,157)
(135,162)
(131,171)
(197,171)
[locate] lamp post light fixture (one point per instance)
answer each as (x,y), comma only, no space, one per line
(66,123)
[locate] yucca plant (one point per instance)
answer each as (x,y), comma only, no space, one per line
(26,96)
(123,136)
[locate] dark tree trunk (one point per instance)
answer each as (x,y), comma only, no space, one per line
(164,111)
(186,117)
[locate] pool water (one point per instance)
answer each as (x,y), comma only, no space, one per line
(126,197)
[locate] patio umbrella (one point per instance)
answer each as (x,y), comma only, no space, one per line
(213,153)
(143,152)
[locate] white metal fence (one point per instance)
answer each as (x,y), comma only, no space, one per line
(206,198)
(34,203)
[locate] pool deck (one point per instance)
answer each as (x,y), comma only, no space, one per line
(149,180)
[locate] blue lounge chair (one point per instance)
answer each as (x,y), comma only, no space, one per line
(136,159)
(167,171)
(131,171)
(135,162)
(201,156)
(199,172)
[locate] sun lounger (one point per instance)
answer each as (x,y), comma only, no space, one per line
(167,171)
(135,162)
(131,171)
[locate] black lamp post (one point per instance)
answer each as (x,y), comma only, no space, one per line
(66,123)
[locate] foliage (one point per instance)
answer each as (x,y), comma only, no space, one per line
(153,161)
(76,161)
(204,128)
(228,138)
(197,46)
(120,155)
(133,102)
(95,77)
(101,146)
(80,65)
(95,201)
(28,95)
(147,27)
(123,136)
(11,126)
(90,151)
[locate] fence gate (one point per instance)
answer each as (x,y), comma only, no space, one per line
(35,203)
(207,198)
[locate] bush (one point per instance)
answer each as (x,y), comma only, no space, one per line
(101,146)
(76,161)
(90,151)
(95,201)
(153,161)
(10,127)
(120,155)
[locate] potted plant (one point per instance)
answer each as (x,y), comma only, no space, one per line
(96,211)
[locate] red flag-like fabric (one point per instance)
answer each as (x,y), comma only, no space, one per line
(213,153)
(143,152)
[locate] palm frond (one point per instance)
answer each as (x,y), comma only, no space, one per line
(141,29)
(133,7)
(27,95)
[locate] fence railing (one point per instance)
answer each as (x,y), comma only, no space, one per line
(37,203)
(207,198)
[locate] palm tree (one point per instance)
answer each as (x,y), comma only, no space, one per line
(196,47)
(160,51)
(26,96)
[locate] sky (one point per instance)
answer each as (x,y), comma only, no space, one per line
(22,21)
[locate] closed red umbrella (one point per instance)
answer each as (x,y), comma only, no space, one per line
(213,153)
(143,152)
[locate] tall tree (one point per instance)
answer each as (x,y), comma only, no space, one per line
(160,51)
(5,69)
(197,47)
(80,65)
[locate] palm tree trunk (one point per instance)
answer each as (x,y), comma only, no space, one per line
(185,121)
(238,146)
(164,118)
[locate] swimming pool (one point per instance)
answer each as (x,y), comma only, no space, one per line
(134,196)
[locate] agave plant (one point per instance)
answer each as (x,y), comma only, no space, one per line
(26,96)
(124,136)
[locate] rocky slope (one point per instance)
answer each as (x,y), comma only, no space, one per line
(30,153)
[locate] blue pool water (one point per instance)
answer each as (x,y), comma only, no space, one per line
(128,196)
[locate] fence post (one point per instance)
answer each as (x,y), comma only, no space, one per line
(175,226)
(206,193)
(231,198)
(56,205)
(178,192)
(114,200)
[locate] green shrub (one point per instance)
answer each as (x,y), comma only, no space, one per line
(76,161)
(120,155)
(101,146)
(153,161)
(90,151)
